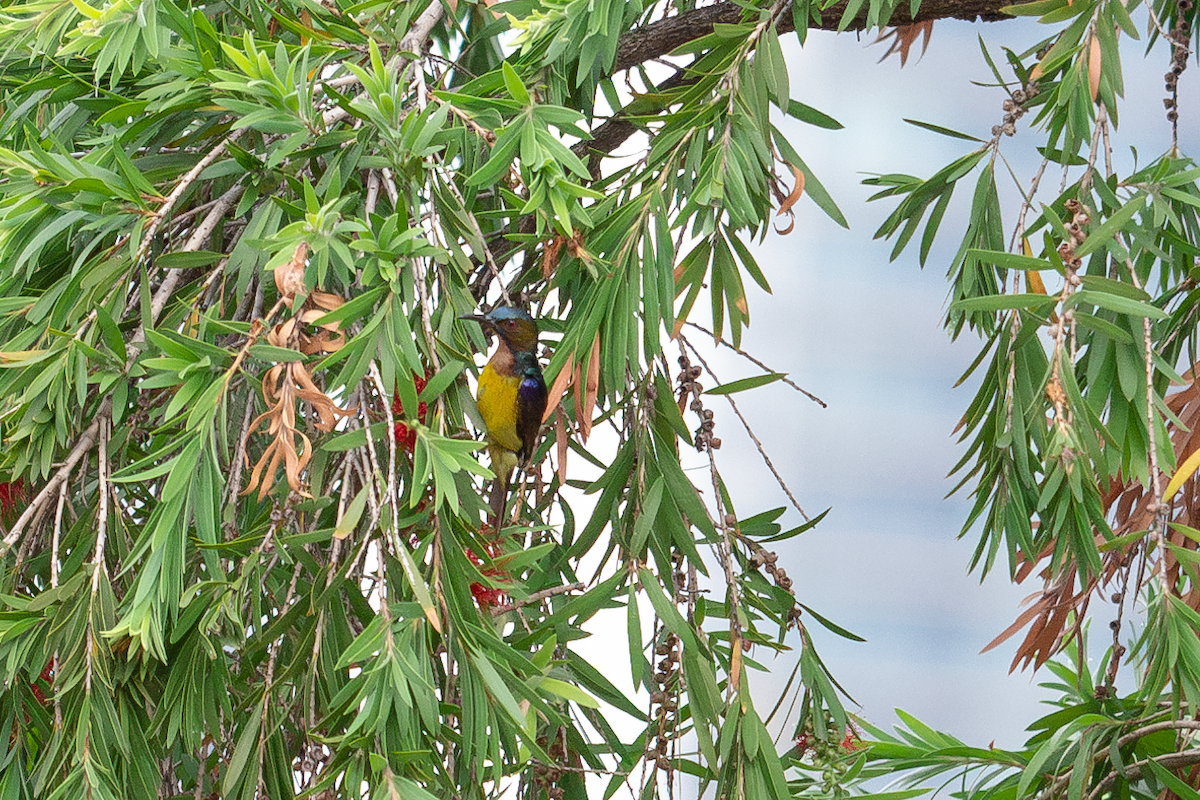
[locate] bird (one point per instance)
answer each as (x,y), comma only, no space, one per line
(512,395)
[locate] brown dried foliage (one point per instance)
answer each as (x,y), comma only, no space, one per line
(785,206)
(904,37)
(286,383)
(1056,614)
(587,390)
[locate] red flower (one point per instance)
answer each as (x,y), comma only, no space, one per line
(851,742)
(404,434)
(488,597)
(12,494)
(47,677)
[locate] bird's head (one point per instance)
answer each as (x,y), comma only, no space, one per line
(514,325)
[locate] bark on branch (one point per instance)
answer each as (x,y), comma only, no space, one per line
(659,38)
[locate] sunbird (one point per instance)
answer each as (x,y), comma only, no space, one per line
(511,396)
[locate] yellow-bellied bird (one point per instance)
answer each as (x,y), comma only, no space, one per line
(512,395)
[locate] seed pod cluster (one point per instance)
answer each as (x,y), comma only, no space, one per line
(547,776)
(1014,109)
(664,703)
(1076,226)
(690,385)
(764,559)
(680,577)
(1181,38)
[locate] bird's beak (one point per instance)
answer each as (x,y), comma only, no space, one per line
(477,317)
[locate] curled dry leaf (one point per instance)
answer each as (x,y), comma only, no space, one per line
(592,390)
(558,388)
(285,384)
(289,277)
(786,206)
(575,247)
(329,337)
(587,391)
(550,255)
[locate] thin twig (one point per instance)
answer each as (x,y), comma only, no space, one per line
(82,445)
(757,444)
(1133,772)
(537,597)
(488,259)
(392,497)
(195,242)
(1156,506)
(98,567)
(270,678)
(725,551)
(185,182)
(372,200)
(760,365)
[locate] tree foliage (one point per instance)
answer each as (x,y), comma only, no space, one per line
(245,548)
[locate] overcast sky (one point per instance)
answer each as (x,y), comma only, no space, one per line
(865,335)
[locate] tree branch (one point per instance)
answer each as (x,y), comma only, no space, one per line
(1133,772)
(659,38)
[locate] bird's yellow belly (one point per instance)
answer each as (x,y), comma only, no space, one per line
(497,402)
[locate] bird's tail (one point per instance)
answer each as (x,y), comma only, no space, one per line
(499,500)
(503,463)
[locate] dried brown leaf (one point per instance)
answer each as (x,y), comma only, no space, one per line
(562,441)
(578,385)
(679,270)
(786,206)
(289,277)
(283,385)
(550,255)
(326,301)
(558,389)
(592,391)
(904,37)
(1094,67)
(1024,619)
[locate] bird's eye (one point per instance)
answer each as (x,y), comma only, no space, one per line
(510,323)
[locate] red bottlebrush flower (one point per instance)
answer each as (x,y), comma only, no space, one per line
(803,743)
(12,494)
(851,742)
(488,597)
(406,435)
(46,677)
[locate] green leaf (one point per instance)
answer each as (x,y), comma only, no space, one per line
(953,134)
(753,382)
(1010,260)
(568,691)
(1102,235)
(354,512)
(247,743)
(1114,302)
(812,116)
(1002,302)
(513,83)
